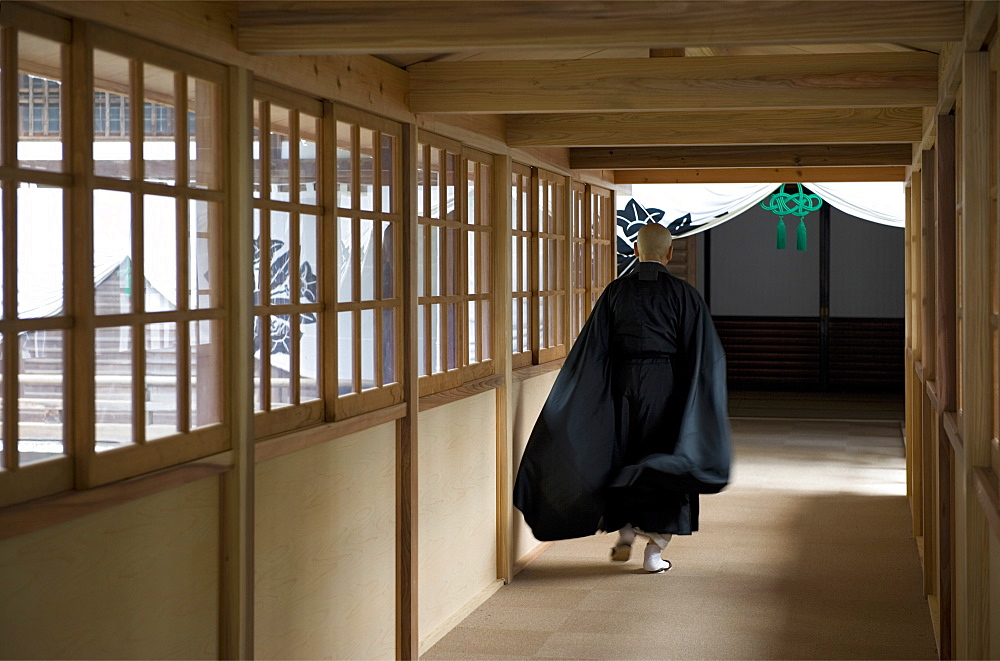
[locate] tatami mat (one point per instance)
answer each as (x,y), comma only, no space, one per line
(808,555)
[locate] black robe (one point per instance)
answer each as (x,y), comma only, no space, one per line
(635,426)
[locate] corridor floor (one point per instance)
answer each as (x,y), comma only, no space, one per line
(807,555)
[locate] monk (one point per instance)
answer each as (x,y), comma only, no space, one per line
(635,427)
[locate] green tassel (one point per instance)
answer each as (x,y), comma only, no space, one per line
(800,235)
(781,234)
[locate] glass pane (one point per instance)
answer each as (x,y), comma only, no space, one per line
(206,372)
(367,171)
(39,98)
(159,239)
(280,153)
(205,133)
(112,252)
(308,163)
(113,376)
(345,352)
(345,151)
(421,177)
(437,363)
(471,270)
(308,357)
(256,147)
(308,263)
(388,161)
(259,329)
(525,325)
(434,182)
(516,325)
(40,278)
(161,380)
(453,336)
(485,262)
(367,259)
(485,194)
(486,324)
(345,262)
(203,229)
(422,340)
(422,232)
(112,149)
(41,398)
(389,346)
(159,125)
(470,208)
(451,194)
(281,255)
(435,261)
(368,350)
(453,253)
(473,345)
(515,257)
(389,259)
(281,361)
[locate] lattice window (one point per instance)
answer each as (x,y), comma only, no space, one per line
(156,294)
(288,213)
(367,282)
(521,264)
(35,210)
(550,255)
(600,240)
(454,237)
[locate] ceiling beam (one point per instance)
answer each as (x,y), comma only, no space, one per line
(750,127)
(760,175)
(755,156)
(868,80)
(450,26)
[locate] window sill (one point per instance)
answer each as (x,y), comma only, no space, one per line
(530,372)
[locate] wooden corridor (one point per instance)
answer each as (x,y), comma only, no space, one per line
(809,554)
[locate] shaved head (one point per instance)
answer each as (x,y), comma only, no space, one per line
(654,243)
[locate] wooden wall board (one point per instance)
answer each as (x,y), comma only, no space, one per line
(736,156)
(679,83)
(325,550)
(760,175)
(457,501)
(401,27)
(137,580)
(792,126)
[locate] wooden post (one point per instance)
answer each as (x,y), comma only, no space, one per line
(914,430)
(976,368)
(944,228)
(502,342)
(236,639)
(407,639)
(930,416)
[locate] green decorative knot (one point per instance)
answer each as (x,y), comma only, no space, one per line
(798,204)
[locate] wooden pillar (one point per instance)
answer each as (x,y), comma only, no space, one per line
(236,612)
(976,368)
(927,353)
(914,431)
(407,638)
(503,339)
(944,367)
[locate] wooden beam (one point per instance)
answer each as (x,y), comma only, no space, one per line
(798,126)
(760,175)
(855,80)
(442,26)
(755,156)
(945,307)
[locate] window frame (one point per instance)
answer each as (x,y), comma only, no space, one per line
(522,266)
(551,225)
(269,420)
(361,401)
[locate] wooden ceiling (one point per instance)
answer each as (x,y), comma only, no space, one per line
(671,89)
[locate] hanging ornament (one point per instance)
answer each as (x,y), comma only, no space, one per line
(798,204)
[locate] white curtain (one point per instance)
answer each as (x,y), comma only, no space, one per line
(711,205)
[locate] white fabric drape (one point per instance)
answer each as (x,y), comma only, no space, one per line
(711,205)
